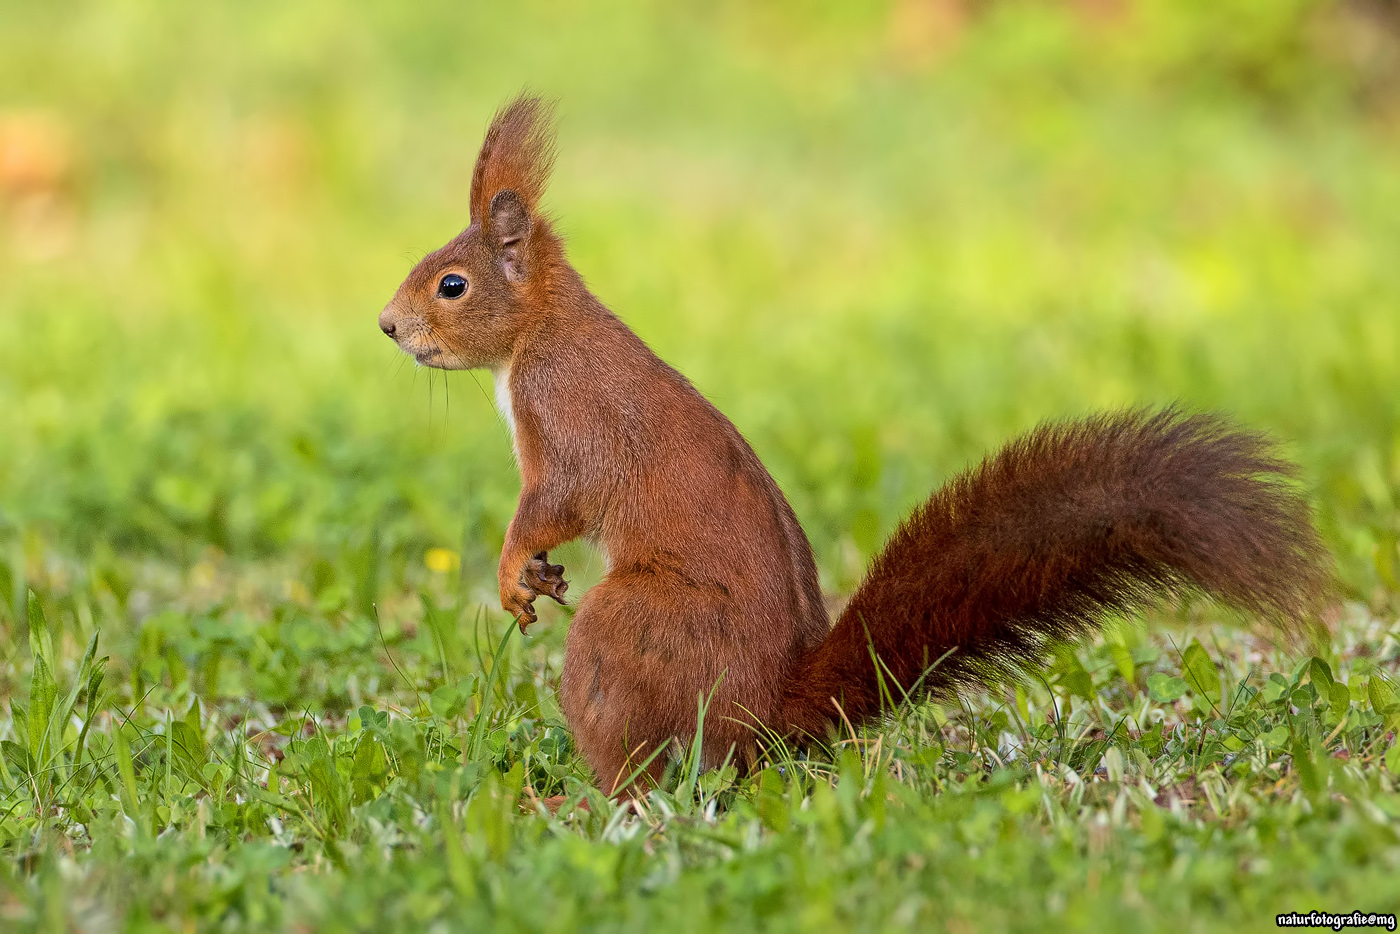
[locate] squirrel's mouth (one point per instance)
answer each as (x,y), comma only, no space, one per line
(425,346)
(426,352)
(437,357)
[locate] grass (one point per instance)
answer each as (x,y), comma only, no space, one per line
(262,682)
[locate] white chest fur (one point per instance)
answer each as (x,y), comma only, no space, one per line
(503,402)
(502,378)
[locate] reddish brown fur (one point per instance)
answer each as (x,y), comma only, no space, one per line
(711,583)
(1057,531)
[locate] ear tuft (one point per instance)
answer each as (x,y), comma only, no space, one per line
(516,156)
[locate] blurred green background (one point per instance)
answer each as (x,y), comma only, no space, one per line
(882,237)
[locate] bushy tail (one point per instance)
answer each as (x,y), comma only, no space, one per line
(1044,540)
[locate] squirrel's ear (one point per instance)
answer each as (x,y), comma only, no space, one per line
(509,228)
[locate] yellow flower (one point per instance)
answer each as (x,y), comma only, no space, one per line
(442,560)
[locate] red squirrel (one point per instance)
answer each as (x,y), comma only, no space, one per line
(711,583)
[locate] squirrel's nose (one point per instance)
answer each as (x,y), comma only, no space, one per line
(386,322)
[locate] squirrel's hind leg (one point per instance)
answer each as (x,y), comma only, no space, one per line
(642,651)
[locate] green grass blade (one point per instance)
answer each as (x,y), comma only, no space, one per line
(488,693)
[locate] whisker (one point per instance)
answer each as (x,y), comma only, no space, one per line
(500,416)
(441,349)
(430,400)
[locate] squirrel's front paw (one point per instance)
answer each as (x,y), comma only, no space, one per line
(535,577)
(544,578)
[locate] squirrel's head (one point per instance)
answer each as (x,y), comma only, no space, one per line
(467,304)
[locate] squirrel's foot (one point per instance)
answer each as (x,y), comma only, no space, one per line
(544,578)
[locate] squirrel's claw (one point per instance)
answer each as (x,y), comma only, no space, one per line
(519,603)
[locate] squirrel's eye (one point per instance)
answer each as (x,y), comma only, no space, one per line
(452,286)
